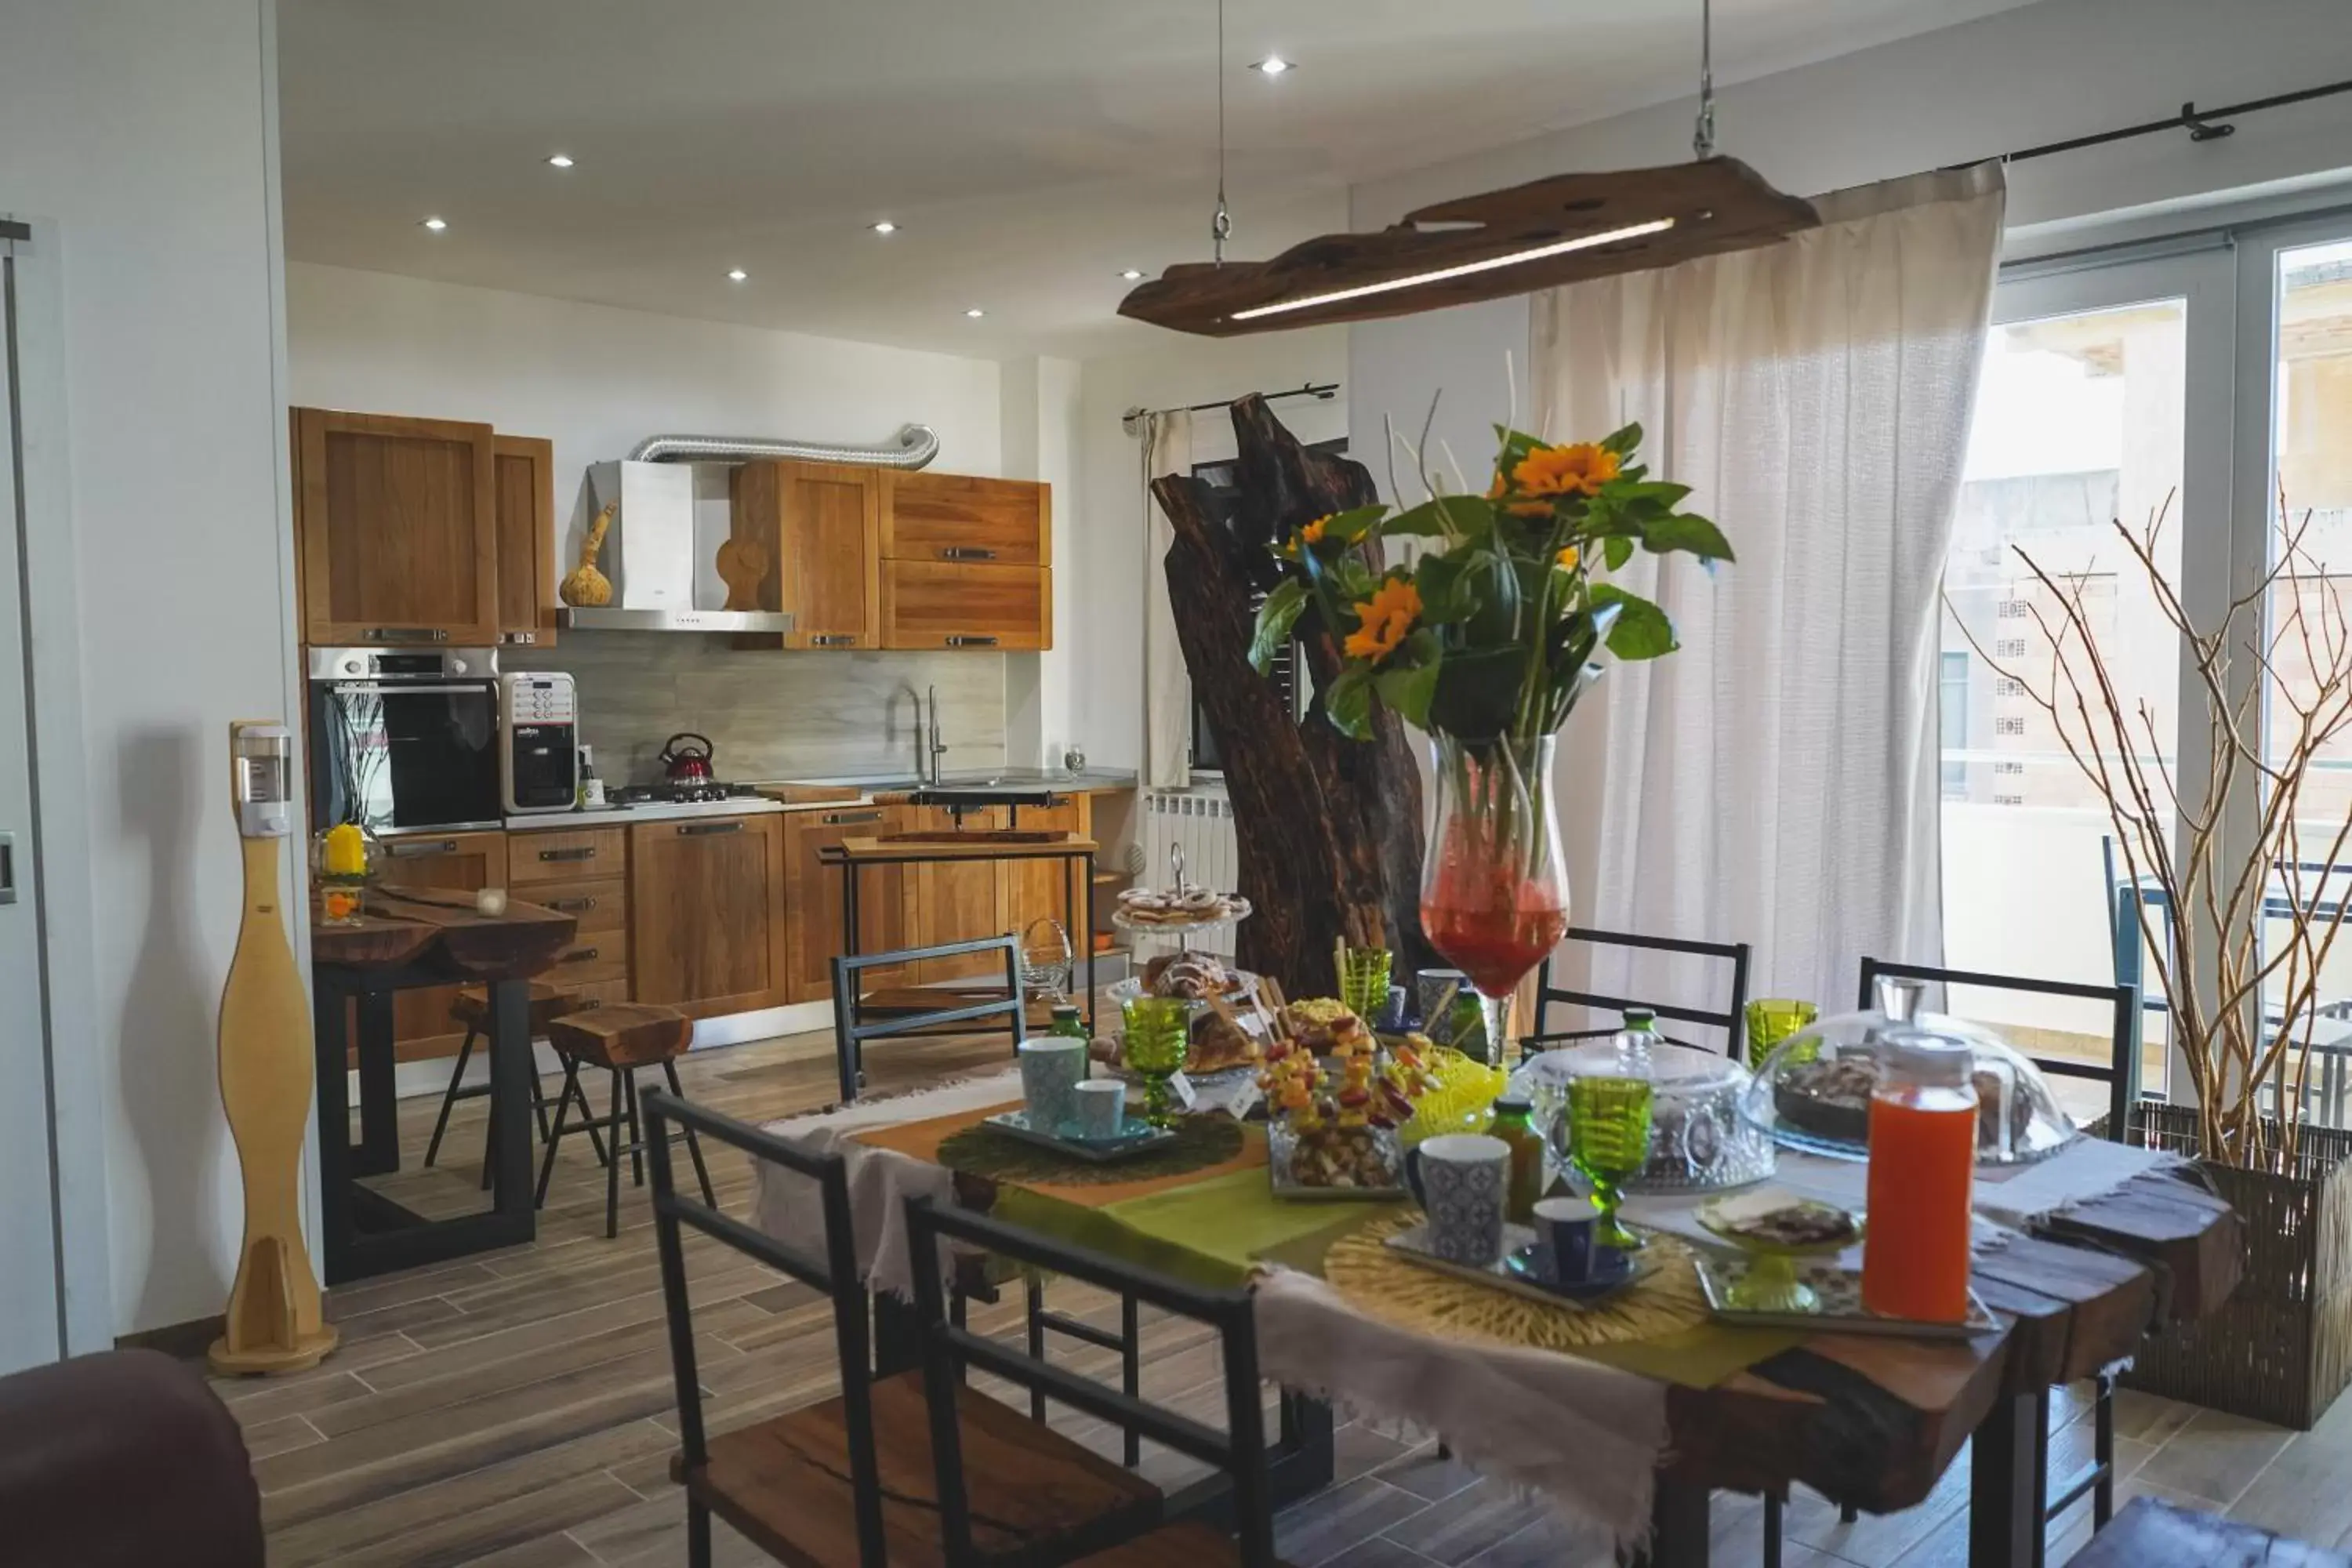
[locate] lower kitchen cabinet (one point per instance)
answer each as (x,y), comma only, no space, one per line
(599,953)
(707,929)
(954,901)
(813,900)
(466,862)
(1039,889)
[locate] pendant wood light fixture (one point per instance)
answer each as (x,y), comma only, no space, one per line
(1563,229)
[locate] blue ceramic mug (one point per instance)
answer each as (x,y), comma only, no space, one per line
(1568,1250)
(1463,1180)
(1052,1068)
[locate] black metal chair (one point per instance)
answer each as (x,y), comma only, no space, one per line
(1731,1018)
(852,1027)
(1239,1492)
(808,1486)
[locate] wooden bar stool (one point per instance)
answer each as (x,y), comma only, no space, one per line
(621,1038)
(472,1008)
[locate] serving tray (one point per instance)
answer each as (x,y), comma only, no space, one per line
(1412,1246)
(1840,1291)
(1137,1137)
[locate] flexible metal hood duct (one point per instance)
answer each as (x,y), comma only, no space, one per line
(917,446)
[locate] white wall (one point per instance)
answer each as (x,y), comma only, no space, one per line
(2041,73)
(146,129)
(1106,602)
(1042,424)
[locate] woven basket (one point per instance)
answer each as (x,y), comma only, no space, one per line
(2280,1349)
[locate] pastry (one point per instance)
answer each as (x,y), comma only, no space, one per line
(1832,1099)
(1319,1023)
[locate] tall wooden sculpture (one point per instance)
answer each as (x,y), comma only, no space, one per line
(274,1319)
(1330,829)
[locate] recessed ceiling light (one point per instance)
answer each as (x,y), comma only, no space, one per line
(1131,275)
(736,275)
(560,159)
(975,312)
(885,226)
(1272,65)
(437,225)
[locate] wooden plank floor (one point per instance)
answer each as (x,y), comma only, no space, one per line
(515,1409)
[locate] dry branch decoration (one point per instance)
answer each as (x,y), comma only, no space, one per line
(2213,959)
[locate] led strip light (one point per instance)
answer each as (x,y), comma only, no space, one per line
(1586,242)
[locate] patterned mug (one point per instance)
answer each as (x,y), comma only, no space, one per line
(1464,1180)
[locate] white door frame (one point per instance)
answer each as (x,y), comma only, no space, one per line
(59,882)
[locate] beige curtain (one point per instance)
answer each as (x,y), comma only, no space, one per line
(1776,781)
(1167,687)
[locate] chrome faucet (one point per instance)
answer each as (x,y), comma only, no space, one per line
(928,751)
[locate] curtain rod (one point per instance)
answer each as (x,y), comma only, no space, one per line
(1322,391)
(2202,125)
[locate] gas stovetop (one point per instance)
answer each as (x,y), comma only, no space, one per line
(681,793)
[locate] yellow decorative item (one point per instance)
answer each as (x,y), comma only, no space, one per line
(1461,1093)
(584,585)
(346,854)
(341,858)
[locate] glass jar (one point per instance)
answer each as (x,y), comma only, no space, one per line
(1922,1158)
(1069,1021)
(1699,1141)
(1514,1123)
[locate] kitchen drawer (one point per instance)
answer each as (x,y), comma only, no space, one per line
(942,604)
(598,906)
(603,992)
(604,956)
(568,854)
(953,517)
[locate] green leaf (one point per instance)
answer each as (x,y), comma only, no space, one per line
(1477,692)
(1411,680)
(1276,618)
(1617,550)
(1348,527)
(1491,584)
(1351,580)
(1687,532)
(1665,493)
(1443,517)
(1622,442)
(1446,595)
(1349,702)
(1640,629)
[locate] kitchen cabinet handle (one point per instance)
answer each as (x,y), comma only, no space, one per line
(522,639)
(960,641)
(832,639)
(435,847)
(579,955)
(966,553)
(836,818)
(571,906)
(709,829)
(407,634)
(585,852)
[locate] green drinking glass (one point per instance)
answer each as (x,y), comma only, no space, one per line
(1609,1144)
(1773,1020)
(1364,981)
(1159,1031)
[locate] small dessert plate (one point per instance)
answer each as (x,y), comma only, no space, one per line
(1135,1135)
(1616,1269)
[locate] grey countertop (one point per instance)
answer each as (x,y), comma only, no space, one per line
(1094,780)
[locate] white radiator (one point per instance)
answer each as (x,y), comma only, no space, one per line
(1201,821)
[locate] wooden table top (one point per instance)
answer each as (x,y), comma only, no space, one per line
(440,929)
(1875,1421)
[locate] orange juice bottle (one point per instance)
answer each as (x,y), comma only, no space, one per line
(1923,1163)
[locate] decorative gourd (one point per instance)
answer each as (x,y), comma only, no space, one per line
(584,585)
(742,562)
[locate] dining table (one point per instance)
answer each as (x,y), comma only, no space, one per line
(406,938)
(1866,1419)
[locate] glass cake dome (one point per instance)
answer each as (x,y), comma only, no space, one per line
(1698,1139)
(1813,1091)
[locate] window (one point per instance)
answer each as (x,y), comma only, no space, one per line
(2009,770)
(2009,686)
(2013,609)
(2009,647)
(1952,718)
(2009,800)
(2009,726)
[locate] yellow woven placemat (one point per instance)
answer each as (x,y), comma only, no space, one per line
(1379,1284)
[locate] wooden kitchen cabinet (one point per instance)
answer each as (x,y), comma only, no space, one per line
(818,524)
(466,862)
(525,467)
(396,520)
(1034,889)
(599,953)
(954,901)
(930,516)
(707,913)
(943,604)
(813,900)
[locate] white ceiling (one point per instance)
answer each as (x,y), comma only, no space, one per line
(1028,149)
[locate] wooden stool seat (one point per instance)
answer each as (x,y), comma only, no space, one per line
(2148,1533)
(623,1034)
(548,1003)
(785,1483)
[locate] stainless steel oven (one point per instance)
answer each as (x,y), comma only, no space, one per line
(405,737)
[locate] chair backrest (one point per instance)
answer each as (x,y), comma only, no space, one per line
(852,1028)
(949,1349)
(2120,1072)
(835,1274)
(1731,1017)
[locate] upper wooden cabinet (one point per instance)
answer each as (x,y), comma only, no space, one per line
(707,913)
(818,524)
(951,517)
(943,604)
(526,512)
(397,524)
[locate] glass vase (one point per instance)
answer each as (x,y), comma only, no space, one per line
(1494,890)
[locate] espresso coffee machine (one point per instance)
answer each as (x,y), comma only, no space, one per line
(539,749)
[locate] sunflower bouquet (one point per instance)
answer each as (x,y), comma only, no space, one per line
(1494,630)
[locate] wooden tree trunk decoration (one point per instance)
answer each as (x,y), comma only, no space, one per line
(1330,829)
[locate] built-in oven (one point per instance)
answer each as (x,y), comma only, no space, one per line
(405,737)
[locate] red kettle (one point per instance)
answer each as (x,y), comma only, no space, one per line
(686,759)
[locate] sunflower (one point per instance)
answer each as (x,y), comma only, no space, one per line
(1567,559)
(1548,474)
(1293,548)
(1384,619)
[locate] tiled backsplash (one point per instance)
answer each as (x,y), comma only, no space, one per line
(771,714)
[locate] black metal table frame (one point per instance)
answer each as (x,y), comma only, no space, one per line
(362,1233)
(1073,861)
